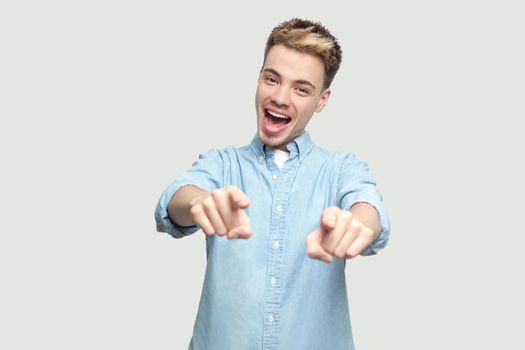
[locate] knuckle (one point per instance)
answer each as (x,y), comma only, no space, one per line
(367,232)
(218,194)
(329,250)
(330,210)
(208,202)
(195,210)
(334,209)
(340,253)
(356,226)
(346,216)
(230,188)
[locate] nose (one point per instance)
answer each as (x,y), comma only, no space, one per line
(281,96)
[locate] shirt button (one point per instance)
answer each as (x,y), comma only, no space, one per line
(279,208)
(276,244)
(261,158)
(274,176)
(270,319)
(274,281)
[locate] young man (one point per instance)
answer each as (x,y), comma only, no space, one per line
(281,215)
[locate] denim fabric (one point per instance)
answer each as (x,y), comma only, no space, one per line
(265,292)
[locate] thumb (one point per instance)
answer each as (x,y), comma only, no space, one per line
(243,232)
(314,249)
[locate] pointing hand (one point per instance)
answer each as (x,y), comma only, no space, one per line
(222,212)
(339,234)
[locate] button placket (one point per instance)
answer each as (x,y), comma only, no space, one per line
(276,251)
(270,319)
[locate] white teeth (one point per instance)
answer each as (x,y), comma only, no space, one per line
(277,115)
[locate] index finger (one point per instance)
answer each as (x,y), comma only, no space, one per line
(329,218)
(237,197)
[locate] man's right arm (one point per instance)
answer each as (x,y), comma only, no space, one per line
(205,174)
(219,212)
(180,204)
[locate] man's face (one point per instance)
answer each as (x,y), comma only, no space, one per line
(289,91)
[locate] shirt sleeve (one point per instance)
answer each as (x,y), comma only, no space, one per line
(356,185)
(205,173)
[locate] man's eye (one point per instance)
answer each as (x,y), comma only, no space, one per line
(303,91)
(271,80)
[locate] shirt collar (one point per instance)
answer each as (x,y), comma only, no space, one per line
(300,146)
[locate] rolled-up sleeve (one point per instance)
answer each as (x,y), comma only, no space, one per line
(356,185)
(205,173)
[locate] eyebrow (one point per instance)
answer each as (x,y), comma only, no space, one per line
(298,81)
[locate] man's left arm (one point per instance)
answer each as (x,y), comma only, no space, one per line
(368,216)
(358,225)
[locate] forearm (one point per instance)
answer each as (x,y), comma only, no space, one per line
(181,202)
(368,216)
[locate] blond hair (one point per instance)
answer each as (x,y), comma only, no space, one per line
(308,37)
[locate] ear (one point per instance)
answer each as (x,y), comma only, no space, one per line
(323,101)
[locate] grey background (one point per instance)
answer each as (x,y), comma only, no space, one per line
(103,103)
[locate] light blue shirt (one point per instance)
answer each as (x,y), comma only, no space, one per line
(265,292)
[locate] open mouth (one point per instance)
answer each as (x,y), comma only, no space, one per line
(276,121)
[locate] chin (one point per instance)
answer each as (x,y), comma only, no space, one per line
(266,139)
(273,142)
